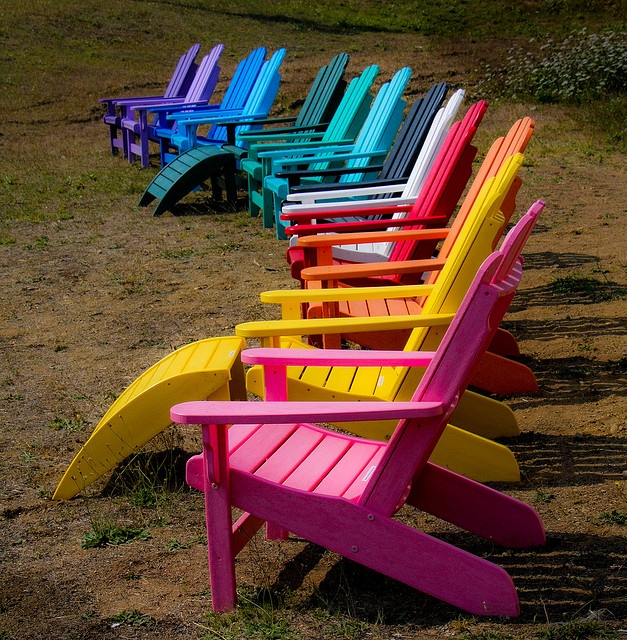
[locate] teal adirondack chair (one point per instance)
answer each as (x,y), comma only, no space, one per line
(177,88)
(371,146)
(186,171)
(139,129)
(234,100)
(318,108)
(344,126)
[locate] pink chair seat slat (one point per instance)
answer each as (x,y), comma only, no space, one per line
(261,444)
(238,434)
(356,488)
(316,466)
(354,462)
(296,448)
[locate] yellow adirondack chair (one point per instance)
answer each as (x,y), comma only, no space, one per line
(464,447)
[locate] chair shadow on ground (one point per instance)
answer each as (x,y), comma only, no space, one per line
(584,291)
(573,574)
(550,260)
(577,460)
(570,381)
(548,330)
(564,580)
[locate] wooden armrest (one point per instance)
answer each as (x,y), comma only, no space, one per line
(243,412)
(368,209)
(336,240)
(305,147)
(341,294)
(366,226)
(329,326)
(351,271)
(336,357)
(346,186)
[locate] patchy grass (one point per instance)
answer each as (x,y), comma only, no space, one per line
(131,618)
(584,289)
(614,517)
(109,534)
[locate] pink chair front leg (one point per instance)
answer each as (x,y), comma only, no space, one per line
(218,517)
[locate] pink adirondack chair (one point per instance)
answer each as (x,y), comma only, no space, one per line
(341,492)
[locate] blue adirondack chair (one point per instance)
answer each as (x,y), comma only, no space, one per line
(219,164)
(234,99)
(117,108)
(137,125)
(371,145)
(257,107)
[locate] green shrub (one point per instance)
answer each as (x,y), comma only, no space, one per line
(583,67)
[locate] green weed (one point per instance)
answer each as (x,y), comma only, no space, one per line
(542,495)
(178,254)
(575,631)
(614,517)
(107,534)
(132,618)
(177,545)
(582,289)
(71,425)
(584,69)
(256,617)
(28,457)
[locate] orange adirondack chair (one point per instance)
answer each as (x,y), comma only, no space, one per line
(340,491)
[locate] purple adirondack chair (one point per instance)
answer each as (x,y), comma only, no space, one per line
(117,108)
(138,126)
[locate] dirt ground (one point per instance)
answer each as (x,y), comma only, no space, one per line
(93,299)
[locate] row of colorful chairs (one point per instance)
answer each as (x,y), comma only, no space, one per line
(420,286)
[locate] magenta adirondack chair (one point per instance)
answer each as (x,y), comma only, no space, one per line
(341,492)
